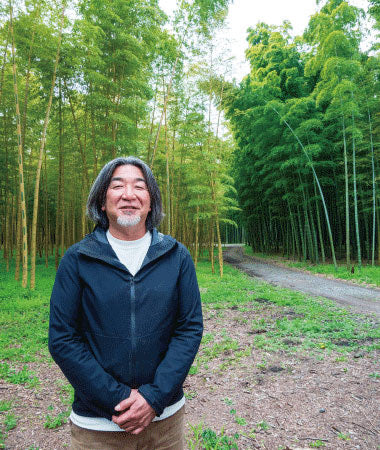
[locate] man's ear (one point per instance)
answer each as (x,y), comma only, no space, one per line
(103,208)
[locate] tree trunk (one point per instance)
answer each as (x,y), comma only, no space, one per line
(8,208)
(148,156)
(212,247)
(81,148)
(27,79)
(373,193)
(83,211)
(355,192)
(348,258)
(166,98)
(46,227)
(319,225)
(19,237)
(39,164)
(168,206)
(93,137)
(378,233)
(57,214)
(196,249)
(20,164)
(319,188)
(7,198)
(3,65)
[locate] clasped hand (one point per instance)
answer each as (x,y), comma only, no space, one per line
(137,413)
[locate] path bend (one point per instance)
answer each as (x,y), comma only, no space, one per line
(359,298)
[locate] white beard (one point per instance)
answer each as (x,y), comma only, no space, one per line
(128,220)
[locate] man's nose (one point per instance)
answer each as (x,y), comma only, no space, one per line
(128,192)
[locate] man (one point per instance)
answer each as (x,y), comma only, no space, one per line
(125,318)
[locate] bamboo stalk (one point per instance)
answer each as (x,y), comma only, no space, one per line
(319,188)
(39,164)
(20,164)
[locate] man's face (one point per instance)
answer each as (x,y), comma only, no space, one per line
(127,199)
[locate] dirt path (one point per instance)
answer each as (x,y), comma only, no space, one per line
(358,298)
(273,400)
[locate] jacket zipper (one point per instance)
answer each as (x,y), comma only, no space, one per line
(133,332)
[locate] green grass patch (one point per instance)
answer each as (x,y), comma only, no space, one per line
(234,289)
(5,405)
(24,314)
(22,376)
(55,421)
(281,315)
(10,421)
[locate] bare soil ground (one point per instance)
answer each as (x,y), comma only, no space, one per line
(279,400)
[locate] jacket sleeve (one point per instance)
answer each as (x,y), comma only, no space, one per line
(184,344)
(68,347)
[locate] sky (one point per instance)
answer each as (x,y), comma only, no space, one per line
(247,13)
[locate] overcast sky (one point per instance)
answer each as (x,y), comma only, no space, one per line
(247,13)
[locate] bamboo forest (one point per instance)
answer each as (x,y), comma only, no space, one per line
(286,159)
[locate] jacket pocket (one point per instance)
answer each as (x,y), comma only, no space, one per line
(113,354)
(150,351)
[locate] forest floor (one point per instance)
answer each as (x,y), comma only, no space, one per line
(276,370)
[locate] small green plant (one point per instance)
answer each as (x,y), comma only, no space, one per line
(190,395)
(52,422)
(240,421)
(250,434)
(2,440)
(193,370)
(66,394)
(207,439)
(10,421)
(5,406)
(344,437)
(262,365)
(317,444)
(23,376)
(228,401)
(263,426)
(208,337)
(375,375)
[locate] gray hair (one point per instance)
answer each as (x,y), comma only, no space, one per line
(97,197)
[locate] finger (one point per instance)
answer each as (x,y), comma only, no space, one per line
(131,428)
(123,419)
(125,404)
(115,419)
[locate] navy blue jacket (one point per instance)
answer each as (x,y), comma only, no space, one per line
(111,331)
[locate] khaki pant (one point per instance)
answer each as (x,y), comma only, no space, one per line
(167,434)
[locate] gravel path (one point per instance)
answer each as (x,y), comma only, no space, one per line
(358,298)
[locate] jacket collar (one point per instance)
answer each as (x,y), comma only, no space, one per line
(96,245)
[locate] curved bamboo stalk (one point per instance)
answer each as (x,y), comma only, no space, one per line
(318,184)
